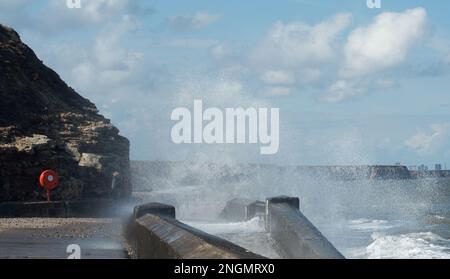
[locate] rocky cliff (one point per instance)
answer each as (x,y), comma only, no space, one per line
(45,124)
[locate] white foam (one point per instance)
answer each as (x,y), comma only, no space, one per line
(252,226)
(364,224)
(249,235)
(424,245)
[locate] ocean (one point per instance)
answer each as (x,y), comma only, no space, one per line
(363,218)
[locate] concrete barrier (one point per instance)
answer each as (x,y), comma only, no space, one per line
(60,209)
(157,235)
(154,208)
(293,234)
(32,209)
(240,209)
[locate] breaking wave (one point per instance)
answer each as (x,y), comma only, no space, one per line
(364,224)
(425,245)
(255,225)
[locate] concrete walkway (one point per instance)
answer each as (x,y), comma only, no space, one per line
(48,238)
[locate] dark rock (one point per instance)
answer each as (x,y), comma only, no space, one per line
(45,124)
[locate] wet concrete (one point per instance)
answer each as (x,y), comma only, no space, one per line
(154,233)
(48,238)
(293,234)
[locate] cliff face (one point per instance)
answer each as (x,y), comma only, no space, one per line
(44,124)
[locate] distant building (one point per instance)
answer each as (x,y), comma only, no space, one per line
(398,164)
(423,168)
(438,167)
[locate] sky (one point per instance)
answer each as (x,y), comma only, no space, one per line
(354,85)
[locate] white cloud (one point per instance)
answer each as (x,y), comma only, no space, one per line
(371,50)
(188,43)
(278,78)
(106,63)
(83,75)
(343,89)
(56,17)
(384,43)
(220,51)
(92,11)
(350,88)
(310,75)
(424,143)
(277,91)
(192,22)
(108,51)
(297,43)
(385,83)
(311,53)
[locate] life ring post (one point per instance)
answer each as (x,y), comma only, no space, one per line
(49,180)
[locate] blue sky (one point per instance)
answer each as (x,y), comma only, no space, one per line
(354,85)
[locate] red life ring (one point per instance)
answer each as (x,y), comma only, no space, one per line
(49,179)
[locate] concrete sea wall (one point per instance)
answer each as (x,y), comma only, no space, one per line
(154,233)
(292,234)
(152,175)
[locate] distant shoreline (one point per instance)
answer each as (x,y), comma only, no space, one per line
(145,173)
